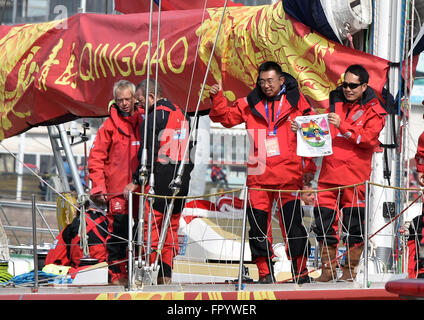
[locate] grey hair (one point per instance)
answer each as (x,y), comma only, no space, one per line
(123,84)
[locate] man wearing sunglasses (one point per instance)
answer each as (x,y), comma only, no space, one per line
(273,164)
(356,118)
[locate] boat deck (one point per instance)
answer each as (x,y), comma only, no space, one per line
(224,291)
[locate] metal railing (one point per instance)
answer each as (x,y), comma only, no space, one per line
(39,207)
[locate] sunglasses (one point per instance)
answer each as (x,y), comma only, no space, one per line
(351,85)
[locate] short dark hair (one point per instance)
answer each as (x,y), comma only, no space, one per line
(152,83)
(359,71)
(270,65)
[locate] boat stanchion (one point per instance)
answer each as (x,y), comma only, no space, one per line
(34,243)
(240,285)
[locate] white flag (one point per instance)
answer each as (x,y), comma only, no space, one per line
(313,136)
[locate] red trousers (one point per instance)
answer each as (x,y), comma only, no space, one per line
(116,240)
(170,246)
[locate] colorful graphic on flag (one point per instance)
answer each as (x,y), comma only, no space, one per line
(62,70)
(313,136)
(314,133)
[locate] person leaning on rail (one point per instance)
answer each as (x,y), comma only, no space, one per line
(356,118)
(168,137)
(268,112)
(112,159)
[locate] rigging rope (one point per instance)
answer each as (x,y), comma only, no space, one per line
(64,197)
(195,60)
(152,176)
(177,181)
(143,169)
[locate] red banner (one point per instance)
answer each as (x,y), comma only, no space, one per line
(58,71)
(137,6)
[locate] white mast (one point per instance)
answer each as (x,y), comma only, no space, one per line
(386,44)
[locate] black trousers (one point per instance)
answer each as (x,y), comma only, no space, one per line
(292,228)
(326,225)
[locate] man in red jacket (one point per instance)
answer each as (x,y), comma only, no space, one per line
(268,112)
(416,226)
(356,118)
(168,133)
(112,159)
(67,250)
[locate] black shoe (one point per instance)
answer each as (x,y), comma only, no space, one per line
(244,279)
(304,279)
(269,278)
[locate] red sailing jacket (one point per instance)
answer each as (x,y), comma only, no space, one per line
(415,244)
(67,250)
(217,174)
(171,129)
(416,230)
(285,168)
(113,156)
(355,141)
(174,138)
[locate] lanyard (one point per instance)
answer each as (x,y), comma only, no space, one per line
(274,131)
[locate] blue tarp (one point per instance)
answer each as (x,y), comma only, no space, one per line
(43,277)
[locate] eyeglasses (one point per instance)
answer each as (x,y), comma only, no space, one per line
(351,85)
(268,81)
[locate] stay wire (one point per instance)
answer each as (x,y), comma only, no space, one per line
(175,183)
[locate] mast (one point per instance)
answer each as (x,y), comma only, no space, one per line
(59,141)
(387,43)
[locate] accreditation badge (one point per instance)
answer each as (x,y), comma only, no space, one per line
(272,147)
